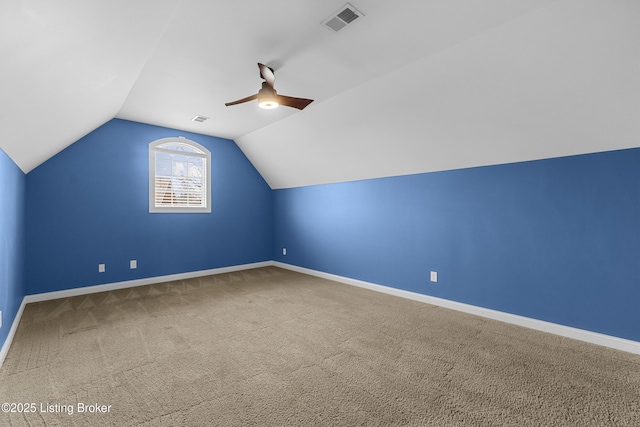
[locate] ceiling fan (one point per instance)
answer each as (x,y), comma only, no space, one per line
(268,98)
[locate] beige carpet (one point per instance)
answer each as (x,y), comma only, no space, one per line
(269,347)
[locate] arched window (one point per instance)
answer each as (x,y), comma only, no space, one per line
(179,176)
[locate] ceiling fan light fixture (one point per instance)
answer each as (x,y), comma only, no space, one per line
(267,103)
(267,99)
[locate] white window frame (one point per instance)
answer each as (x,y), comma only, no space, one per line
(201,152)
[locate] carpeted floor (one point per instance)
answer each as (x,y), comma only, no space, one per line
(270,347)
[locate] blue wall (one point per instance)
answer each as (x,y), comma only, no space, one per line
(556,240)
(89,205)
(12,209)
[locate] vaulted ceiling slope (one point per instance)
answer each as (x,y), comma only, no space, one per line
(412,86)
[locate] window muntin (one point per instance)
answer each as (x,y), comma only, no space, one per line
(179,176)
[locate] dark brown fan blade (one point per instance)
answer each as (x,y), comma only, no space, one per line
(288,101)
(240,101)
(267,74)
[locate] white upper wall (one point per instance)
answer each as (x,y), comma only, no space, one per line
(562,80)
(413,86)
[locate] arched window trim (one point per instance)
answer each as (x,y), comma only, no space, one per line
(176,206)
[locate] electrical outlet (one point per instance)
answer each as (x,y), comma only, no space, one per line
(284,251)
(101,268)
(133,264)
(434,276)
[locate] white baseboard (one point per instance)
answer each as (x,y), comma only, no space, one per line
(539,325)
(141,282)
(112,287)
(12,332)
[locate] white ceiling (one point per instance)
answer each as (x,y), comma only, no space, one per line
(413,86)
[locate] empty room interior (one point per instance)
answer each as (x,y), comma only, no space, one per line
(422,212)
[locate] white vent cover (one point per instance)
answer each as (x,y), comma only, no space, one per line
(199,119)
(343,17)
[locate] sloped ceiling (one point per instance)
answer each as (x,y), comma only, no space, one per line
(413,86)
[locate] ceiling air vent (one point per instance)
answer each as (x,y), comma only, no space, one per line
(343,17)
(199,119)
